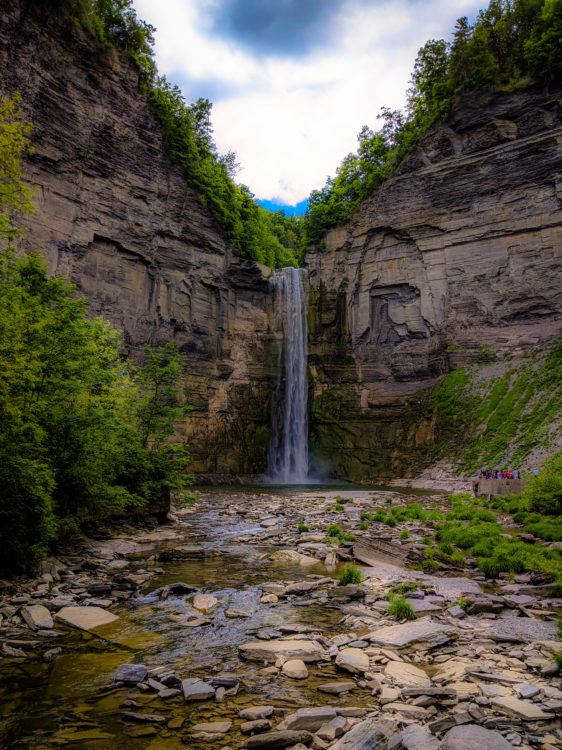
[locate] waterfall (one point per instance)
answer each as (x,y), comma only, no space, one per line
(288,454)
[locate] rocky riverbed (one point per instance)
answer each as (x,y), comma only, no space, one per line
(228,628)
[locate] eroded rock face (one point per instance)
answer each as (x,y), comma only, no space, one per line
(458,250)
(118,219)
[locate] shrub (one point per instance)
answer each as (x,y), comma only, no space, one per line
(404,534)
(302,527)
(363,526)
(429,565)
(402,588)
(549,529)
(544,492)
(400,608)
(350,574)
(334,530)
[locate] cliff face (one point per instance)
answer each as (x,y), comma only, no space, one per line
(454,259)
(119,220)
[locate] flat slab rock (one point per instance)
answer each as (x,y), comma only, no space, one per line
(520,629)
(473,737)
(268,651)
(278,740)
(197,690)
(85,618)
(352,660)
(424,630)
(520,709)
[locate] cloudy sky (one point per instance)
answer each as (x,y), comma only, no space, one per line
(293,81)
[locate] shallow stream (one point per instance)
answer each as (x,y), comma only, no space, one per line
(72,702)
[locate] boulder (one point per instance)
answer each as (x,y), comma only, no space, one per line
(85,618)
(296,669)
(197,690)
(473,737)
(204,602)
(37,617)
(131,674)
(353,660)
(269,651)
(406,675)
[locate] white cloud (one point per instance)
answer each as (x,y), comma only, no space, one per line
(292,120)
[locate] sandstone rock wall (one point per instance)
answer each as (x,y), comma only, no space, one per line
(457,255)
(119,220)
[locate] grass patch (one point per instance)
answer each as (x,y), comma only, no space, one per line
(350,574)
(334,532)
(547,528)
(404,534)
(400,608)
(302,527)
(402,588)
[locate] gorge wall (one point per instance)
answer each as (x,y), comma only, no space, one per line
(456,256)
(117,218)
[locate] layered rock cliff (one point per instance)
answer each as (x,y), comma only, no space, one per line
(117,218)
(454,258)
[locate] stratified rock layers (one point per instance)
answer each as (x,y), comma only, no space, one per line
(457,253)
(118,219)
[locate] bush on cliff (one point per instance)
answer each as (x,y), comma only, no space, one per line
(84,434)
(544,492)
(512,42)
(272,239)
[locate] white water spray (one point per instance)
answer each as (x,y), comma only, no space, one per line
(288,454)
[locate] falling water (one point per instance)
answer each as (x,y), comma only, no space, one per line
(288,454)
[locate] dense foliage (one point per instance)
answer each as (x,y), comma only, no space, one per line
(272,239)
(84,434)
(512,42)
(544,492)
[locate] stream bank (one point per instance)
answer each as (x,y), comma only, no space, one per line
(240,635)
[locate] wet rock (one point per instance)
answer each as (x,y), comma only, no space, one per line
(210,730)
(425,630)
(404,674)
(85,618)
(255,727)
(350,591)
(292,557)
(278,740)
(310,718)
(205,602)
(269,651)
(473,737)
(197,690)
(353,660)
(256,712)
(520,709)
(295,668)
(144,718)
(337,688)
(37,617)
(131,674)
